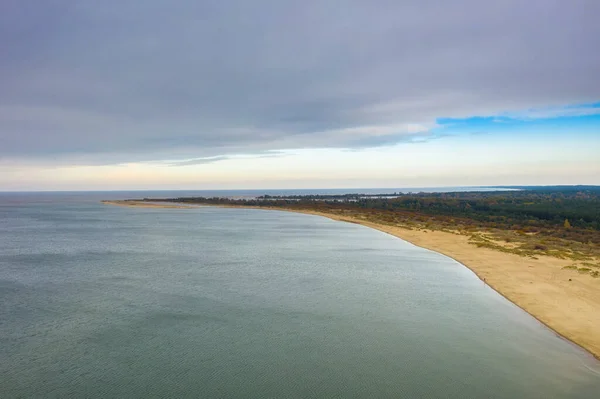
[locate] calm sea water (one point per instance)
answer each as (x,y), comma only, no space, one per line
(104,301)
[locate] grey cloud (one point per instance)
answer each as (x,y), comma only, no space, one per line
(126,81)
(202,161)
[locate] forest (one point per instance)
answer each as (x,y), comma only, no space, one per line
(564,212)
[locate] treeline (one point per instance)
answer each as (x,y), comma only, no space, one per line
(553,211)
(526,208)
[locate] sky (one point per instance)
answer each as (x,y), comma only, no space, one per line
(198,94)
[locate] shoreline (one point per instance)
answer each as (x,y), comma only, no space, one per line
(564,301)
(142,204)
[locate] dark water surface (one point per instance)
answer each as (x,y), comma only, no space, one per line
(104,301)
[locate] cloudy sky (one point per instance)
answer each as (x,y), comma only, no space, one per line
(194,94)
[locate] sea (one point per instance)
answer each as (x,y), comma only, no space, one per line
(100,301)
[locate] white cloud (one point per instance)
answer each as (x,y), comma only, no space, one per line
(554,112)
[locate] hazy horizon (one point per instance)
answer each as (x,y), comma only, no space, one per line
(305,190)
(202,95)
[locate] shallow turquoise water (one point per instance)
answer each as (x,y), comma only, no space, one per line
(101,301)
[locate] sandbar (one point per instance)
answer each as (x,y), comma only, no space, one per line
(143,204)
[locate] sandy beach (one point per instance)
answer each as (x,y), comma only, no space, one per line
(562,299)
(142,204)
